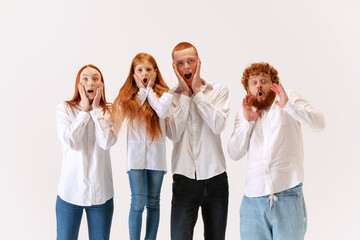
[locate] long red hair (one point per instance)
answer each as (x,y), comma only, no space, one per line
(127,105)
(74,102)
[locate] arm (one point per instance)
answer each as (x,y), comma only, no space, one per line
(239,141)
(70,132)
(214,113)
(104,131)
(160,105)
(303,112)
(176,121)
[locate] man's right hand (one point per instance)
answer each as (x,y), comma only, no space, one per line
(249,114)
(183,86)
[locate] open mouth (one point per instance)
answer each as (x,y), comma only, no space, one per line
(145,80)
(90,91)
(260,94)
(188,75)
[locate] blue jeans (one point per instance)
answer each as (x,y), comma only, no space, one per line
(212,195)
(145,188)
(68,219)
(286,220)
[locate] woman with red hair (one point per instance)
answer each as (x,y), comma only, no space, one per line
(144,103)
(86,133)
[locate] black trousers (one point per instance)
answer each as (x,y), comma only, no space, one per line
(212,195)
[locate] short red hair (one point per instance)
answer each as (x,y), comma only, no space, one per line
(259,69)
(182,46)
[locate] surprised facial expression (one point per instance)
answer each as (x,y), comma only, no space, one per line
(144,71)
(259,87)
(186,62)
(90,78)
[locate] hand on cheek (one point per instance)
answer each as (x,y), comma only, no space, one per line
(196,83)
(183,86)
(85,103)
(98,96)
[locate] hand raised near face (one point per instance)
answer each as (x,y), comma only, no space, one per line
(85,103)
(99,94)
(138,81)
(152,79)
(196,82)
(183,86)
(280,91)
(249,114)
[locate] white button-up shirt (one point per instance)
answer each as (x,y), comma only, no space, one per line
(141,152)
(194,126)
(86,137)
(274,145)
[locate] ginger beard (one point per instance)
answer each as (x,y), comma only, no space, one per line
(264,103)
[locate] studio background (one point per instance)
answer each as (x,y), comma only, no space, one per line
(313,44)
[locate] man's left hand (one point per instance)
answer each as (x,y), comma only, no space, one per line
(196,83)
(280,91)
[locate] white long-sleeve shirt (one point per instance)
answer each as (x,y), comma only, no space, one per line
(274,145)
(194,125)
(86,137)
(141,152)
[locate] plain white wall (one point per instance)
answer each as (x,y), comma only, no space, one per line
(313,44)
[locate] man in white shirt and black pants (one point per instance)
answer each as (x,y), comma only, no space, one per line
(198,115)
(269,131)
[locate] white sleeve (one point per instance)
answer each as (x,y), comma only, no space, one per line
(70,132)
(303,112)
(214,113)
(176,121)
(239,141)
(162,105)
(104,130)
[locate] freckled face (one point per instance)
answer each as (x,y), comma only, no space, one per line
(144,71)
(186,62)
(90,78)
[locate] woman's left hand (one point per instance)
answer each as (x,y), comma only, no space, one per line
(152,79)
(98,96)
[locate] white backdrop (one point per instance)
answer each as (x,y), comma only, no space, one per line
(313,44)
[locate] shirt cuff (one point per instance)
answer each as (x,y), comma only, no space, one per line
(84,116)
(199,97)
(184,99)
(95,113)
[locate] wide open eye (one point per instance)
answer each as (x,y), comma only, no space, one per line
(180,63)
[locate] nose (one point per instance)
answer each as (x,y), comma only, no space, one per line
(187,65)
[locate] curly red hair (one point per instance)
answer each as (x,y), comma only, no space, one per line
(127,105)
(257,69)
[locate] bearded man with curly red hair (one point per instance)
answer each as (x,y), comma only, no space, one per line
(269,132)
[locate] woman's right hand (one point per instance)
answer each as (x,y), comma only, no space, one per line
(139,83)
(85,103)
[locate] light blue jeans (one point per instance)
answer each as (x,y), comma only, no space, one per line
(68,219)
(286,220)
(145,188)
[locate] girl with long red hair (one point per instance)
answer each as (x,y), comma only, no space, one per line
(144,103)
(86,133)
